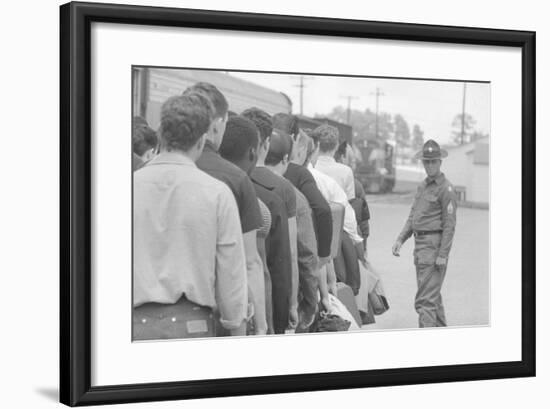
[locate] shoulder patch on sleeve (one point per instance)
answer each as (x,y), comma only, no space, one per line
(450,207)
(450,188)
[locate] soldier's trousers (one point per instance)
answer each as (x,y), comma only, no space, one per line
(429,277)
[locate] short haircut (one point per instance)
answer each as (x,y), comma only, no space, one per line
(314,136)
(240,135)
(327,137)
(261,119)
(286,122)
(280,145)
(139,120)
(340,153)
(213,94)
(143,138)
(184,119)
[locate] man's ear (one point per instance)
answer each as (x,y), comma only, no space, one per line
(251,154)
(267,143)
(219,123)
(214,126)
(148,155)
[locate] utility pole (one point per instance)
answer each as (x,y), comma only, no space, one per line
(301,85)
(463,114)
(378,94)
(349,98)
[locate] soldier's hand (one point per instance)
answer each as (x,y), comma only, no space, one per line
(441,261)
(396,248)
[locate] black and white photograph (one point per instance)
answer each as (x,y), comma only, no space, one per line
(279,203)
(287,204)
(258,203)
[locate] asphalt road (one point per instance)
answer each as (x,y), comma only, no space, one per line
(466,287)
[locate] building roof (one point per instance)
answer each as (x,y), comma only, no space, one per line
(479,149)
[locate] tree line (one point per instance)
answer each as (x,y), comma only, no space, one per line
(396,127)
(389,126)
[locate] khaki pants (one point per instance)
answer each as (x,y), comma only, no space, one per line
(429,277)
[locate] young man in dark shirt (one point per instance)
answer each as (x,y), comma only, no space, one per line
(278,240)
(240,184)
(269,171)
(302,179)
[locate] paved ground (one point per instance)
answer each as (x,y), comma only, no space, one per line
(466,288)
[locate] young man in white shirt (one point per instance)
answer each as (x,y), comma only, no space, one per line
(188,247)
(328,137)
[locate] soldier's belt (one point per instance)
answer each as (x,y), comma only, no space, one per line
(419,233)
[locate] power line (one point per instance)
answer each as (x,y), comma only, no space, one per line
(378,94)
(301,85)
(463,114)
(349,98)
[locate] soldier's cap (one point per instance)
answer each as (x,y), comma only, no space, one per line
(431,150)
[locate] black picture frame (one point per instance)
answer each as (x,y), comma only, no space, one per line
(76,202)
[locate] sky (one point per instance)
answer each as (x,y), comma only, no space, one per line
(430,104)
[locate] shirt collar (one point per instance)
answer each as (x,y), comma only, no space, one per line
(260,176)
(323,158)
(209,147)
(438,180)
(171,158)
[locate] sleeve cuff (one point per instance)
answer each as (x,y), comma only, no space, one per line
(234,324)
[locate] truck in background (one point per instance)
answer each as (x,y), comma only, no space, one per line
(376,170)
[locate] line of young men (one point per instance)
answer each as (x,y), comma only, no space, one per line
(232,222)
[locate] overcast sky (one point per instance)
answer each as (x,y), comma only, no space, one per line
(430,104)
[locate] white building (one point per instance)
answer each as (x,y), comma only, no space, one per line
(467,167)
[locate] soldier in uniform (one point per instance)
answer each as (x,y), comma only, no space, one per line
(432,222)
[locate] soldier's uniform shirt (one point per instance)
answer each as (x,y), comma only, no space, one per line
(433,212)
(433,209)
